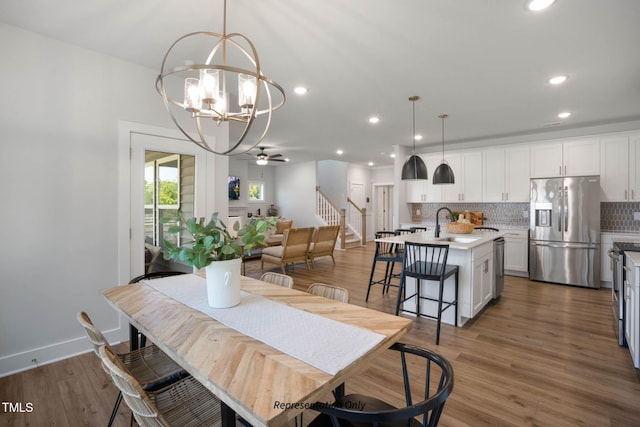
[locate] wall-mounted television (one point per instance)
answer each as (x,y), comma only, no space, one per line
(234,188)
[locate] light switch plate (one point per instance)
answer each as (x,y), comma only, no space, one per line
(636,216)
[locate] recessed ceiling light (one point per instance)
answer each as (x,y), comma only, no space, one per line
(370,163)
(418,137)
(564,114)
(374,120)
(300,90)
(537,5)
(340,152)
(556,80)
(392,155)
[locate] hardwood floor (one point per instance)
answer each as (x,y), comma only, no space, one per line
(543,355)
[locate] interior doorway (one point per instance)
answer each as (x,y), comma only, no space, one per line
(384,207)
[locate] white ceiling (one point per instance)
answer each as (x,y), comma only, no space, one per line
(484,62)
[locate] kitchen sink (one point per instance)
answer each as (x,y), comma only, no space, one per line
(458,239)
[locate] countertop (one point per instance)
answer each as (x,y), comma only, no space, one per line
(634,256)
(455,241)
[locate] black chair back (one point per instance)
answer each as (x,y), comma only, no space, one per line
(425,260)
(385,249)
(421,369)
(400,231)
(155,275)
(418,229)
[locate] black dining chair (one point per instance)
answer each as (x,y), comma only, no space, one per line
(388,254)
(400,231)
(418,229)
(420,369)
(427,262)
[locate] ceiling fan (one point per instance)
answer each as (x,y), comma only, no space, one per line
(264,158)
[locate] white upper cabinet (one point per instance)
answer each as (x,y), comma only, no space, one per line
(433,192)
(467,168)
(620,168)
(423,191)
(506,174)
(571,158)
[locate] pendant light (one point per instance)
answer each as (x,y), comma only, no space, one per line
(443,173)
(226,69)
(414,168)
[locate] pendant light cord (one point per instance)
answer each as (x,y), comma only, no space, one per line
(443,116)
(413,100)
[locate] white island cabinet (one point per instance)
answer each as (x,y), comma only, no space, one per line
(473,254)
(632,305)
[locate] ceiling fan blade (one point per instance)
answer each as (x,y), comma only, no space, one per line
(271,156)
(277,160)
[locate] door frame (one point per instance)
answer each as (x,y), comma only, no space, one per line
(392,206)
(208,198)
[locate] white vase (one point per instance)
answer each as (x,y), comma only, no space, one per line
(223,283)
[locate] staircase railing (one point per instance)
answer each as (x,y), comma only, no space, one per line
(331,214)
(359,224)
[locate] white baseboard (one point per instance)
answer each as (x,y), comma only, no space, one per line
(23,361)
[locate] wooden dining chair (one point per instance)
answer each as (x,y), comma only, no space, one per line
(185,402)
(295,247)
(278,279)
(323,243)
(149,365)
(329,291)
(418,369)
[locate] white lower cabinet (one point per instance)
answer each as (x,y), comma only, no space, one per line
(606,243)
(516,252)
(632,306)
(482,277)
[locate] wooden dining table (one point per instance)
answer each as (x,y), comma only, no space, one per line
(264,385)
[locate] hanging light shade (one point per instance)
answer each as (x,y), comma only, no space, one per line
(223,84)
(443,173)
(414,168)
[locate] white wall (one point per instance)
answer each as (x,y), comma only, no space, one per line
(265,175)
(296,193)
(333,181)
(59,115)
(382,175)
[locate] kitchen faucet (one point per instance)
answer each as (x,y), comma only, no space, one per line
(437,232)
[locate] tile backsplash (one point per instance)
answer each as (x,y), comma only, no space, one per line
(618,217)
(614,216)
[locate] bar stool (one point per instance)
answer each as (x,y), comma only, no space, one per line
(400,231)
(426,261)
(387,253)
(418,229)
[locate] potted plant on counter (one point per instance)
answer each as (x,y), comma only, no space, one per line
(213,248)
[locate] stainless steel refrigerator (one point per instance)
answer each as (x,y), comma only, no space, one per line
(564,234)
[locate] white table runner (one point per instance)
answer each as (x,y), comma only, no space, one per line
(324,343)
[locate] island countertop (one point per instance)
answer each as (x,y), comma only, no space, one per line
(455,241)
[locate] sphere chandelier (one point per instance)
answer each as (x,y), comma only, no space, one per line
(200,94)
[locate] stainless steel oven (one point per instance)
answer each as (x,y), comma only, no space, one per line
(617,299)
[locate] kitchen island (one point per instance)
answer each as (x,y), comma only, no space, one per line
(473,254)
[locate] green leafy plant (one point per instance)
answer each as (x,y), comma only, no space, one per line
(211,241)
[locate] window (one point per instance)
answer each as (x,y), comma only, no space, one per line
(256,191)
